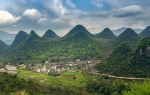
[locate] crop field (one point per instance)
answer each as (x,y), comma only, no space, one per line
(65,79)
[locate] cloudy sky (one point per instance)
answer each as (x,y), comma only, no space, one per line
(62,15)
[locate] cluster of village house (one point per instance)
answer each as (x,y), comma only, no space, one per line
(9,69)
(61,67)
(48,67)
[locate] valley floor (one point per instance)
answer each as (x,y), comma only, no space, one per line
(65,79)
(69,83)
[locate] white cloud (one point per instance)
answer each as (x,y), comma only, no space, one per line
(70,4)
(131,8)
(32,13)
(128,11)
(57,7)
(42,20)
(62,15)
(97,3)
(7,18)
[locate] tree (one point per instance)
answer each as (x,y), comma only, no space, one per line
(139,89)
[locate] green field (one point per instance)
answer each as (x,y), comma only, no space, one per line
(65,79)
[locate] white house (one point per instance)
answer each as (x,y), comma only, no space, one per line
(2,70)
(11,69)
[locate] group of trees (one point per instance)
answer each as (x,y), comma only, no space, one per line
(125,62)
(105,86)
(138,89)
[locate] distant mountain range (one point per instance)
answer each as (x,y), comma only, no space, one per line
(78,43)
(9,38)
(6,37)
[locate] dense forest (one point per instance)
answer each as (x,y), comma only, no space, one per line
(127,62)
(79,43)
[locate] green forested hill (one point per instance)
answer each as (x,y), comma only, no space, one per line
(50,34)
(125,62)
(26,49)
(76,31)
(78,43)
(142,53)
(20,37)
(106,34)
(145,33)
(128,36)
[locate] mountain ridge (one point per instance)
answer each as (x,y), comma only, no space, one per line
(106,33)
(128,36)
(20,37)
(77,43)
(77,30)
(145,32)
(50,34)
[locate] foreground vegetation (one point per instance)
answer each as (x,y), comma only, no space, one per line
(11,84)
(139,89)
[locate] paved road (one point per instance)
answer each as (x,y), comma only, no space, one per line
(127,78)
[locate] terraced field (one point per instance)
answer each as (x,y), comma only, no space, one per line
(66,79)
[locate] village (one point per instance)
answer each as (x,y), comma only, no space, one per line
(52,68)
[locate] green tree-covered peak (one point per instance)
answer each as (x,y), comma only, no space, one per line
(123,50)
(77,30)
(50,34)
(146,32)
(20,37)
(106,33)
(33,35)
(128,35)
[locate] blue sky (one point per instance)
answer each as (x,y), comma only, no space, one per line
(62,15)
